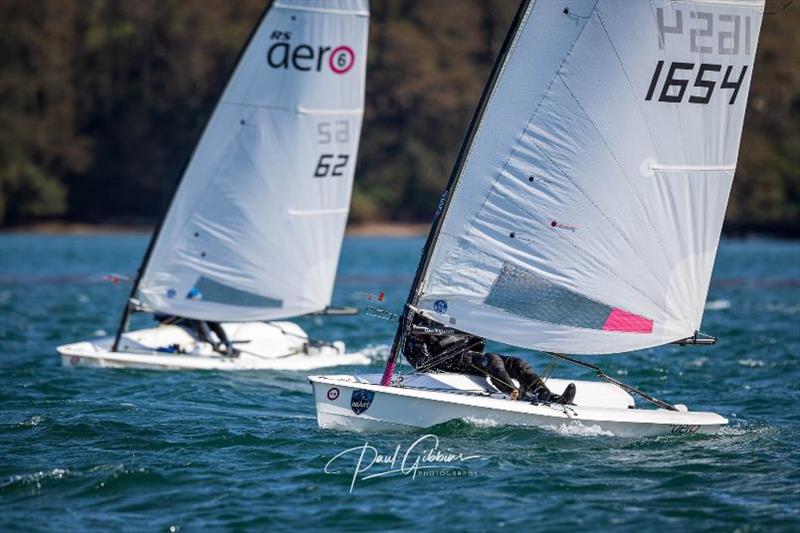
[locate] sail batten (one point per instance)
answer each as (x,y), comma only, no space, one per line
(586,213)
(255,228)
(300,110)
(283,5)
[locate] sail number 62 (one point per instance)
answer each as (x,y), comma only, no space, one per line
(331,165)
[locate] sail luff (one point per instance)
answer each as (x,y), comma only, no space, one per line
(123,324)
(466,145)
(452,182)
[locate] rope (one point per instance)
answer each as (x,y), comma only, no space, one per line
(431,362)
(511,385)
(605,377)
(313,342)
(549,369)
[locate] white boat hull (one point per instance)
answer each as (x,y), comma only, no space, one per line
(263,346)
(430,400)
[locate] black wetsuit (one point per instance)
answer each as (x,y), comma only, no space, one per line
(462,353)
(203,330)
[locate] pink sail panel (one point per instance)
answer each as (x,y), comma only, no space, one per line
(625,322)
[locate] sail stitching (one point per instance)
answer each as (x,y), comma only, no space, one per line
(515,148)
(500,76)
(644,121)
(675,113)
(627,179)
(671,200)
(603,214)
(189,220)
(478,128)
(628,78)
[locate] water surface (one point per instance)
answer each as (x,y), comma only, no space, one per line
(125,449)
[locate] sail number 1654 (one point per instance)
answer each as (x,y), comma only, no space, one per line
(675,82)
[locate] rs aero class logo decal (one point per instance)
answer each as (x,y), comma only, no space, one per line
(283,53)
(361,400)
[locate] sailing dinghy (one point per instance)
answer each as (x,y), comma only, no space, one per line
(253,233)
(583,213)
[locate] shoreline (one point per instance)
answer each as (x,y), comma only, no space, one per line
(367,229)
(363,229)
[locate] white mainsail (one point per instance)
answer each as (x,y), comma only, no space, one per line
(255,228)
(588,207)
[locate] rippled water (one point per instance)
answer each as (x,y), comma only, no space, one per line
(131,449)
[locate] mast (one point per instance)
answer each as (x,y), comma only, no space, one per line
(441,211)
(125,319)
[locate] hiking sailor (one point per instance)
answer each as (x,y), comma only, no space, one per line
(204,331)
(430,349)
(223,345)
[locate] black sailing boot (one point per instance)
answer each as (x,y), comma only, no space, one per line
(565,398)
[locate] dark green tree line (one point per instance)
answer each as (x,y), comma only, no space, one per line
(102,100)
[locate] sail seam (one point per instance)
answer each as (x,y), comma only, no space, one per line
(628,78)
(675,109)
(311,212)
(627,180)
(514,150)
(675,112)
(608,219)
(646,126)
(421,280)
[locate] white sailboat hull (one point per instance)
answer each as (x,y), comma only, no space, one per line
(263,346)
(429,400)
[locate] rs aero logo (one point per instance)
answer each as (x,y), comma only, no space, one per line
(283,54)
